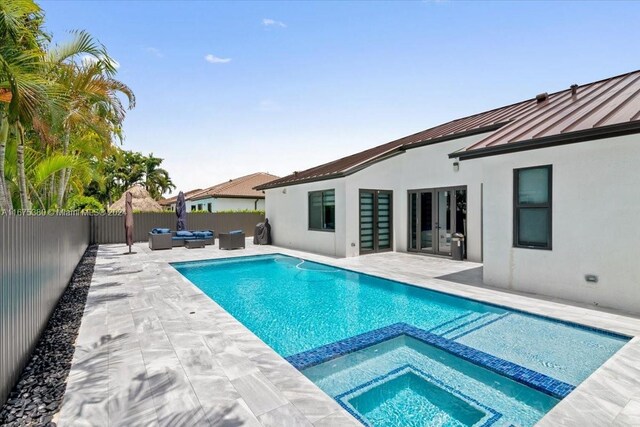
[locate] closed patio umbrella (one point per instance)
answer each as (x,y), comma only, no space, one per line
(181,212)
(128,219)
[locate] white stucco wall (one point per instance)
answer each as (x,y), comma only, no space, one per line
(595,223)
(227,203)
(596,215)
(419,168)
(288,212)
(424,167)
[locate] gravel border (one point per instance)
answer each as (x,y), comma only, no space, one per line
(38,394)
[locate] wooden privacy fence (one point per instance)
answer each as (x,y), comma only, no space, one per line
(110,228)
(38,255)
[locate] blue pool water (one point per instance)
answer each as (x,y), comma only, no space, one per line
(415,384)
(297,306)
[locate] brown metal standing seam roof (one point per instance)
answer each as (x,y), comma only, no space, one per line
(600,109)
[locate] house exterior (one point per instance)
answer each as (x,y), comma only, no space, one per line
(546,193)
(236,194)
(169,203)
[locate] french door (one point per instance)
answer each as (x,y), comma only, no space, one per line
(376,221)
(434,216)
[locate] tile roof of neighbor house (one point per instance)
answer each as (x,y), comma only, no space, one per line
(242,187)
(169,201)
(609,107)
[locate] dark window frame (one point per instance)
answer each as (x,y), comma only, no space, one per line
(375,248)
(517,206)
(322,210)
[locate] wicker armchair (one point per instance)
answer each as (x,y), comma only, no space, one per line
(233,240)
(160,241)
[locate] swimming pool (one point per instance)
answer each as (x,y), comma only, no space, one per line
(325,321)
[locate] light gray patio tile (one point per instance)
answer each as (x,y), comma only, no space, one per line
(213,389)
(139,417)
(146,320)
(215,340)
(284,416)
(233,414)
(235,363)
(173,396)
(87,393)
(609,384)
(191,357)
(337,419)
(251,345)
(583,410)
(277,370)
(630,415)
(130,398)
(156,340)
(308,398)
(260,395)
(198,360)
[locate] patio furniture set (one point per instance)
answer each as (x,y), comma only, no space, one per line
(164,238)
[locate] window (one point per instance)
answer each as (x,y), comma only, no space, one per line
(532,207)
(322,210)
(209,207)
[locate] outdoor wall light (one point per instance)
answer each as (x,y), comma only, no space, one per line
(284,191)
(456,166)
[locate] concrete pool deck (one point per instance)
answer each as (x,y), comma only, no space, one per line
(154,350)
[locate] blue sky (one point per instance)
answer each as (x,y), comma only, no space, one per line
(227,89)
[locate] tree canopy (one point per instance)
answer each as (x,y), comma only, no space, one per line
(61,116)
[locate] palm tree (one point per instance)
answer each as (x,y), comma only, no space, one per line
(21,86)
(91,97)
(59,112)
(157,181)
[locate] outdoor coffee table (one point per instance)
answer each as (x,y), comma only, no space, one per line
(190,244)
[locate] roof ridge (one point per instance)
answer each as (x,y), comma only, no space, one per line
(513,120)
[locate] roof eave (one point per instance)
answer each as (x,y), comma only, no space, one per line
(610,131)
(229,196)
(392,153)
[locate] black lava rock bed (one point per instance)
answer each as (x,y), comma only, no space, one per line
(38,394)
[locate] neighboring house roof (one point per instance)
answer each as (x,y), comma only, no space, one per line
(601,109)
(242,187)
(171,200)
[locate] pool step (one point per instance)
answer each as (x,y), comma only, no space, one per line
(474,325)
(463,319)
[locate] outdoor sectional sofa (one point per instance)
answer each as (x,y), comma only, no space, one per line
(163,238)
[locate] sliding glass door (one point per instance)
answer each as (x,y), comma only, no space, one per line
(376,221)
(434,215)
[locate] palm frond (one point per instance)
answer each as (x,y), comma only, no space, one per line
(82,43)
(51,165)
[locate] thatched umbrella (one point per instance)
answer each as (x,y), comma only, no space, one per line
(128,219)
(181,212)
(141,201)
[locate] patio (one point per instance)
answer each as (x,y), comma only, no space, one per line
(154,350)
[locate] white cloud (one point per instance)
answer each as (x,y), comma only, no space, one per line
(267,22)
(154,51)
(215,59)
